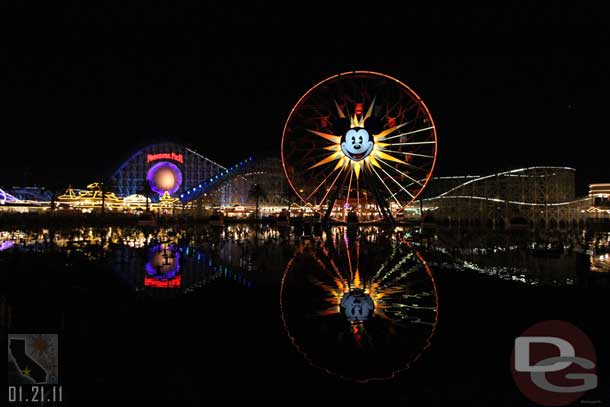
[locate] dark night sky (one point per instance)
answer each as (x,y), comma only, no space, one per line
(85,87)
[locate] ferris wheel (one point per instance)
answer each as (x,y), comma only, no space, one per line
(359,145)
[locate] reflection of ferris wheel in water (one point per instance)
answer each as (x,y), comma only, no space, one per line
(359,143)
(359,310)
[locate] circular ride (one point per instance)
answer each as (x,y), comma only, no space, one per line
(363,308)
(359,145)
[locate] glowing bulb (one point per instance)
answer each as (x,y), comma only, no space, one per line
(165,179)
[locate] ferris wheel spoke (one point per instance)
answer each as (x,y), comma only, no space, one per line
(395,277)
(357,255)
(401,110)
(370,111)
(331,186)
(327,136)
(318,187)
(357,195)
(413,183)
(349,189)
(317,111)
(415,167)
(412,143)
(381,156)
(325,266)
(385,265)
(339,110)
(386,132)
(382,282)
(330,158)
(406,153)
(299,151)
(390,109)
(407,133)
(349,259)
(315,159)
(386,186)
(397,183)
(404,174)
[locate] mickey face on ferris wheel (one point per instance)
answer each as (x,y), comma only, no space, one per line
(357,130)
(357,144)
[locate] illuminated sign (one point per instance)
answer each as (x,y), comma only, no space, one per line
(165,156)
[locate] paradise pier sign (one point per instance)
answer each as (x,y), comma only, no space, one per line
(165,156)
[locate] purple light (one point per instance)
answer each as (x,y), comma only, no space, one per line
(6,245)
(152,172)
(152,271)
(6,197)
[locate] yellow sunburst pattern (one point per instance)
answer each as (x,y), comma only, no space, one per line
(372,159)
(379,159)
(359,143)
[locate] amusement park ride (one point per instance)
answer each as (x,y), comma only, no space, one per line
(359,147)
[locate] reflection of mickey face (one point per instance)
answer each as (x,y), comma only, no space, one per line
(357,144)
(162,264)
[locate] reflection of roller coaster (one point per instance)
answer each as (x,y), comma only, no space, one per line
(533,197)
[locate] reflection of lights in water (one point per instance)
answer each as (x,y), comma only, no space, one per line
(520,257)
(601,263)
(359,302)
(6,245)
(357,305)
(163,266)
(191,266)
(170,269)
(599,252)
(171,283)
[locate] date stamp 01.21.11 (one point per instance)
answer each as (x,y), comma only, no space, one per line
(33,370)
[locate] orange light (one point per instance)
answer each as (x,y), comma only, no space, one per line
(165,179)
